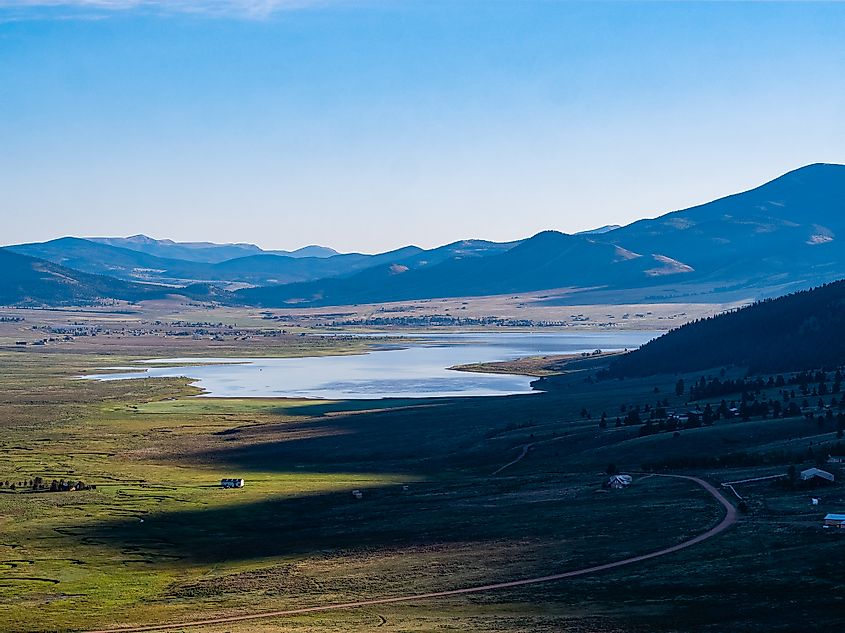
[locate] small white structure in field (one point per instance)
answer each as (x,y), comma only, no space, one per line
(357,494)
(814,473)
(836,459)
(814,501)
(835,521)
(617,482)
(231,483)
(405,488)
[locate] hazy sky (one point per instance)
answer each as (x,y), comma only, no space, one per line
(365,125)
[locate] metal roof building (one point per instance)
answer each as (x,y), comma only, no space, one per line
(811,473)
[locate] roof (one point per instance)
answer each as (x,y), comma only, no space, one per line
(816,472)
(835,517)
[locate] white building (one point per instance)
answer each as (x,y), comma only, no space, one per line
(618,482)
(813,473)
(231,483)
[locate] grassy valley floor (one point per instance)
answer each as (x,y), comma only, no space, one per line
(158,541)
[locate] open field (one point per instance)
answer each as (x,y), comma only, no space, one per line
(159,541)
(206,328)
(555,308)
(538,366)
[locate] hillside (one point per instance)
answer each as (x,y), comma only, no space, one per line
(261,268)
(790,228)
(547,260)
(794,332)
(780,236)
(30,281)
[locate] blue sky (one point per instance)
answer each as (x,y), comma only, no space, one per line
(367,125)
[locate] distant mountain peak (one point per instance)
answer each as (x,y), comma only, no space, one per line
(208,252)
(607,228)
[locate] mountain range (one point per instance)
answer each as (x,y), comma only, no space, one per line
(774,238)
(29,281)
(207,252)
(782,236)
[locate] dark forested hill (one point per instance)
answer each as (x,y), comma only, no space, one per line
(799,331)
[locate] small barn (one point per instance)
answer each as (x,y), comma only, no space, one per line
(816,474)
(231,483)
(835,521)
(617,482)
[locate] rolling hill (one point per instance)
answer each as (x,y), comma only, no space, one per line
(791,227)
(97,257)
(541,262)
(780,236)
(30,281)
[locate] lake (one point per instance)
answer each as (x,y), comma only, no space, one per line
(418,370)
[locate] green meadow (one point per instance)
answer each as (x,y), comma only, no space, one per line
(158,541)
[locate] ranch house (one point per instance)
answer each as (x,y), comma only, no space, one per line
(835,521)
(816,474)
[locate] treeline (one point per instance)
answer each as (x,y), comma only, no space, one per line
(39,484)
(808,382)
(742,459)
(796,332)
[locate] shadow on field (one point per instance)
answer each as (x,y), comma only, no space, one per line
(426,437)
(559,512)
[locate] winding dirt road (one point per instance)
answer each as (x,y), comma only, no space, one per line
(727,521)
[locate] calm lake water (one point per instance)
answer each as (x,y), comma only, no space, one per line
(419,370)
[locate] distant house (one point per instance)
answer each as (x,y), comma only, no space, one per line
(231,483)
(816,474)
(357,494)
(835,521)
(617,482)
(836,459)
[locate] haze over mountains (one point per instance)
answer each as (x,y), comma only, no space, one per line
(784,235)
(204,251)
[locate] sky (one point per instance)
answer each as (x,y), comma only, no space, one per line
(366,125)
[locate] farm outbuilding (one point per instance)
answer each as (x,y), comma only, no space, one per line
(231,483)
(835,521)
(617,482)
(817,474)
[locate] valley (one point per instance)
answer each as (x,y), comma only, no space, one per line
(335,316)
(157,542)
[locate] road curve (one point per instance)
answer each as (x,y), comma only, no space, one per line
(727,521)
